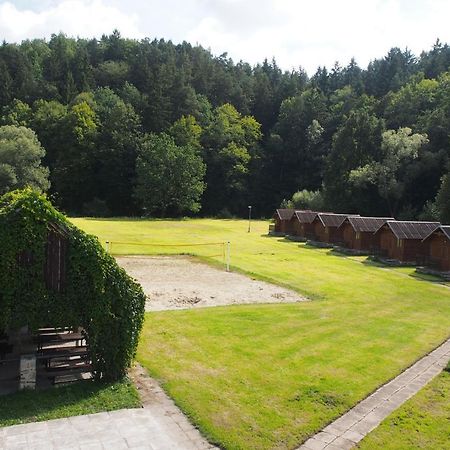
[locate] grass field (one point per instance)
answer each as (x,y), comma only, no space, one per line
(65,401)
(423,422)
(269,376)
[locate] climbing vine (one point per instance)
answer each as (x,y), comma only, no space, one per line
(98,295)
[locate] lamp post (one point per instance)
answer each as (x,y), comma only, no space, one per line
(249,217)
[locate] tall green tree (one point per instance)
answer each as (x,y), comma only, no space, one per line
(169,178)
(442,203)
(119,135)
(297,162)
(75,168)
(20,160)
(398,150)
(357,142)
(229,142)
(16,113)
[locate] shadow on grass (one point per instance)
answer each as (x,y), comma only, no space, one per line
(130,219)
(429,277)
(85,397)
(343,253)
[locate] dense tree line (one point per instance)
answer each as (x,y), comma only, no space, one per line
(149,127)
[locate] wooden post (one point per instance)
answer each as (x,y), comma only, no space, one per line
(27,372)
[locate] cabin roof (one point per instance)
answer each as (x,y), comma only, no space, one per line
(306,216)
(285,213)
(411,229)
(366,224)
(445,229)
(332,220)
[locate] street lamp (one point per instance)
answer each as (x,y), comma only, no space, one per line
(249,217)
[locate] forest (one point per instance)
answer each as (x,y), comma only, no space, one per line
(121,127)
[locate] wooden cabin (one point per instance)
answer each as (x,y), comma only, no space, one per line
(283,223)
(326,227)
(303,224)
(358,232)
(437,248)
(402,240)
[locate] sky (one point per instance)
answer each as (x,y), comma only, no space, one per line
(298,33)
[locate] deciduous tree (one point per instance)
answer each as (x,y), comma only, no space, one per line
(20,160)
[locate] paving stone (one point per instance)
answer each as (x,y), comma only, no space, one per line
(364,427)
(342,444)
(333,430)
(353,436)
(37,437)
(324,436)
(332,447)
(314,444)
(363,408)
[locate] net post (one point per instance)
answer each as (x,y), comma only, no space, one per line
(228,256)
(107,246)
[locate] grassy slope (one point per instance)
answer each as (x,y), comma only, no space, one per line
(421,423)
(66,401)
(269,376)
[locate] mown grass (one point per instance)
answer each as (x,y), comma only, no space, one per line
(268,376)
(85,397)
(423,422)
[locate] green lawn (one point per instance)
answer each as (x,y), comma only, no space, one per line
(423,422)
(65,401)
(268,376)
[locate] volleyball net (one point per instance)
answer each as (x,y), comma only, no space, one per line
(214,250)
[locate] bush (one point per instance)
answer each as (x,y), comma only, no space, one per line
(307,200)
(98,295)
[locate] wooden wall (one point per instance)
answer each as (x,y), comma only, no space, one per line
(439,252)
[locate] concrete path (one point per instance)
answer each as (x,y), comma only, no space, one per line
(160,425)
(345,432)
(123,429)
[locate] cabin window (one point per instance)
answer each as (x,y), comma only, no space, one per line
(399,242)
(358,235)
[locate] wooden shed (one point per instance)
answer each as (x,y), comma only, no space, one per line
(303,224)
(402,240)
(326,227)
(358,232)
(437,249)
(283,223)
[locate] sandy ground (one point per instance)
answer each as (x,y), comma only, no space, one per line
(181,283)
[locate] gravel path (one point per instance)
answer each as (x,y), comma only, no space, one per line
(181,283)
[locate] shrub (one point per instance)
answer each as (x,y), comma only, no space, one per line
(307,200)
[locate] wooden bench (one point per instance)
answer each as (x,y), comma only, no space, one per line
(48,355)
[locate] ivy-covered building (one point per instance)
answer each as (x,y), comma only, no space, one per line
(65,304)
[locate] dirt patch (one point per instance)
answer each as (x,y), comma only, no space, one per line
(182,283)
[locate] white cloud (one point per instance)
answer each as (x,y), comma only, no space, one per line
(320,32)
(87,18)
(295,32)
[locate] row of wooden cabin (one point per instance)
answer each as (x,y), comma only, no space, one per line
(416,242)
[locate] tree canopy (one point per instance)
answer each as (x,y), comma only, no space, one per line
(20,160)
(168,177)
(262,133)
